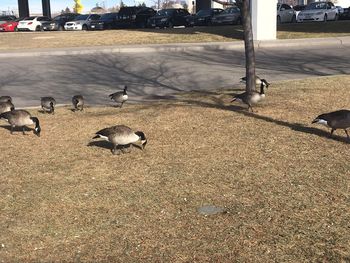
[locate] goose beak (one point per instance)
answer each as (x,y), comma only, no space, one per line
(315,121)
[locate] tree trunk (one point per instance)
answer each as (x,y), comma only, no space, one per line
(249,45)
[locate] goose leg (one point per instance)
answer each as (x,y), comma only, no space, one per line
(23,130)
(332,132)
(11,131)
(115,151)
(347,134)
(121,105)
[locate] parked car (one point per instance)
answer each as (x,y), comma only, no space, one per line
(5,19)
(345,15)
(318,11)
(32,23)
(59,21)
(171,17)
(81,22)
(229,16)
(134,16)
(203,17)
(285,14)
(9,26)
(298,8)
(107,21)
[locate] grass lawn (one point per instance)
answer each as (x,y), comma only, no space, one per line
(26,40)
(283,183)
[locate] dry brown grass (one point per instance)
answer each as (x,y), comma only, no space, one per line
(283,182)
(26,40)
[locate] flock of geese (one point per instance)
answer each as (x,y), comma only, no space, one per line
(122,137)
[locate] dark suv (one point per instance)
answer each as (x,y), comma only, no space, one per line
(107,21)
(134,16)
(171,17)
(58,22)
(204,16)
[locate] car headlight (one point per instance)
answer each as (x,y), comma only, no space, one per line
(52,24)
(163,19)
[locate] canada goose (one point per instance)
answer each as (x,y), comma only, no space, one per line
(21,118)
(48,104)
(120,96)
(335,120)
(123,136)
(258,81)
(5,99)
(6,106)
(250,98)
(78,102)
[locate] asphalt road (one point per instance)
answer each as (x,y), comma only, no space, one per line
(153,75)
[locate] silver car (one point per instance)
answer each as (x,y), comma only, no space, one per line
(318,11)
(285,14)
(81,22)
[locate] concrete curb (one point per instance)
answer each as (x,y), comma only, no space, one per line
(180,47)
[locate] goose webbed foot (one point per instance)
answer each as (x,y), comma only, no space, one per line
(126,149)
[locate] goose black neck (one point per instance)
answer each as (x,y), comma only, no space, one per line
(262,88)
(36,121)
(125,88)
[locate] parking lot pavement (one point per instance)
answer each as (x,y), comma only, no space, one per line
(161,70)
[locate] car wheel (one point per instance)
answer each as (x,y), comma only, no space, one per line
(16,29)
(239,21)
(170,24)
(38,28)
(294,19)
(336,17)
(85,28)
(278,20)
(60,28)
(325,18)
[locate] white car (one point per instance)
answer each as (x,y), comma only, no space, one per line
(285,14)
(32,23)
(318,11)
(81,22)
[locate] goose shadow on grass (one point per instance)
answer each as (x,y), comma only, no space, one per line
(298,127)
(17,129)
(109,146)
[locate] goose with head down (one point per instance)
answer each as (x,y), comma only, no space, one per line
(21,118)
(123,136)
(339,119)
(48,104)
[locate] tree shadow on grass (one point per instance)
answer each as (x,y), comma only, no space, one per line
(298,127)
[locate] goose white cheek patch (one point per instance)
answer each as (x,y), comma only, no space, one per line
(323,122)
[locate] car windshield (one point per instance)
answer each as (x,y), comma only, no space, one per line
(30,18)
(108,16)
(57,18)
(165,12)
(316,5)
(81,17)
(204,13)
(299,7)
